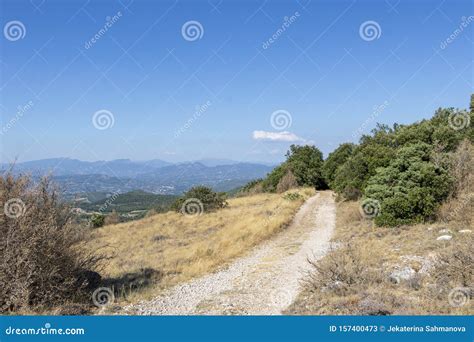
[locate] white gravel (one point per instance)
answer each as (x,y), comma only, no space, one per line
(265,281)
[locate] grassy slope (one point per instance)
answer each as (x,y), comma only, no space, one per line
(179,247)
(366,255)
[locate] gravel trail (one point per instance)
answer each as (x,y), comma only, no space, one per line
(265,281)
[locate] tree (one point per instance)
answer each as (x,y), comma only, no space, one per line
(306,163)
(335,160)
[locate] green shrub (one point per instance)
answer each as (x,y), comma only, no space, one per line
(335,160)
(97,220)
(411,188)
(270,183)
(200,199)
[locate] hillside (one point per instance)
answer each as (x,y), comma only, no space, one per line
(129,201)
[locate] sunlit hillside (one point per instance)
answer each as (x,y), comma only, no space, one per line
(158,251)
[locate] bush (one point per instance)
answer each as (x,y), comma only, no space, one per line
(200,199)
(335,160)
(287,182)
(270,183)
(343,271)
(252,187)
(42,265)
(97,220)
(112,218)
(459,205)
(411,188)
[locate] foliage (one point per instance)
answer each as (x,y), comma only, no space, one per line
(287,182)
(204,196)
(41,266)
(410,188)
(335,159)
(97,220)
(306,164)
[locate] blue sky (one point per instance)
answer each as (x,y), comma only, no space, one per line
(177,96)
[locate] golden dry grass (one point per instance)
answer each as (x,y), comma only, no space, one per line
(366,255)
(180,247)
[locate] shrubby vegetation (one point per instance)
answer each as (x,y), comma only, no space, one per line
(200,199)
(41,263)
(410,188)
(303,167)
(407,168)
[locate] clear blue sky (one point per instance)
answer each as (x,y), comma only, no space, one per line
(319,69)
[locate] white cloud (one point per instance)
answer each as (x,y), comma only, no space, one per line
(276,136)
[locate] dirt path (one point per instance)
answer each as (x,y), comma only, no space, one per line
(265,281)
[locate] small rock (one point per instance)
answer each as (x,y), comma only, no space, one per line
(445,231)
(406,273)
(465,231)
(444,238)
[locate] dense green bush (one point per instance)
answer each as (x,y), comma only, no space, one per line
(306,163)
(336,159)
(200,199)
(97,220)
(410,188)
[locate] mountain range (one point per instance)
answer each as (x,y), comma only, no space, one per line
(156,176)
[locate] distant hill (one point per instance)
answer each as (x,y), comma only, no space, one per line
(68,167)
(155,176)
(127,202)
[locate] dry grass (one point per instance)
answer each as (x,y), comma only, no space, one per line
(354,278)
(165,249)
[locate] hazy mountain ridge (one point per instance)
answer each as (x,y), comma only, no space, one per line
(156,176)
